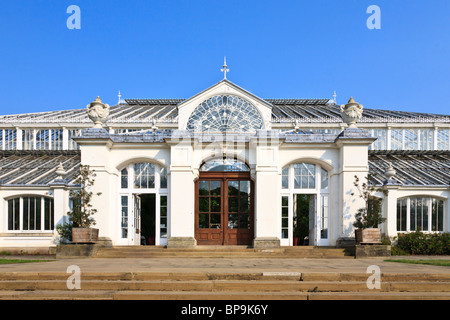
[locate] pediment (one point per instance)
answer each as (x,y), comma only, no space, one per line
(224,87)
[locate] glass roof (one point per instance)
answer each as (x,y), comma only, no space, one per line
(225,113)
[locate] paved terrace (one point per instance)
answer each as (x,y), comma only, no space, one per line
(225,265)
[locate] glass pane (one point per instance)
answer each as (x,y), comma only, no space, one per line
(233,188)
(26,209)
(284,212)
(215,221)
(233,222)
(233,204)
(216,187)
(425,214)
(284,234)
(215,204)
(412,214)
(163,200)
(38,209)
(124,176)
(163,178)
(203,221)
(244,204)
(285,178)
(244,187)
(284,201)
(284,223)
(244,221)
(203,204)
(203,188)
(324,179)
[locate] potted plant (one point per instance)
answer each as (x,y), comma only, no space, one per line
(370,216)
(80,217)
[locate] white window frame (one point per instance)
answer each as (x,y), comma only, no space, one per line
(20,230)
(429,214)
(130,191)
(318,192)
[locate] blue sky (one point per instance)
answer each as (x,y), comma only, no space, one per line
(175,49)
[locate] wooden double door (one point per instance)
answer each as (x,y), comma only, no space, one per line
(224,209)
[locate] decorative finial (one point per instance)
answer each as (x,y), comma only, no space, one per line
(120,100)
(334,97)
(60,171)
(352,112)
(98,112)
(390,172)
(225,68)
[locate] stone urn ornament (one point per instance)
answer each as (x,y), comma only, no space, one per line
(352,112)
(98,112)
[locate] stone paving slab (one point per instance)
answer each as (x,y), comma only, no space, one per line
(238,265)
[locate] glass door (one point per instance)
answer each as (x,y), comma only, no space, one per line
(209,212)
(135,233)
(238,213)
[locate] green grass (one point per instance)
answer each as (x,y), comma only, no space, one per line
(10,261)
(437,262)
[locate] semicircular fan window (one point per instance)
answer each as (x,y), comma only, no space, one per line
(225,113)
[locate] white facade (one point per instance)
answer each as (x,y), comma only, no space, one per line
(163,172)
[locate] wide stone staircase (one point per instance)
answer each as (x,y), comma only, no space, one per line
(204,252)
(222,286)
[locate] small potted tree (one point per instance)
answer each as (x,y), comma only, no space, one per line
(370,216)
(80,217)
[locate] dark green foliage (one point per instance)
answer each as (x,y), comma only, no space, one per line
(420,243)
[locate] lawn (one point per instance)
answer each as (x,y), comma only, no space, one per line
(437,262)
(10,261)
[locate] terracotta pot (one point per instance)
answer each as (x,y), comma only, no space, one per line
(151,241)
(369,236)
(296,241)
(84,235)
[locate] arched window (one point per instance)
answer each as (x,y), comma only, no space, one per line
(224,165)
(30,213)
(225,113)
(424,213)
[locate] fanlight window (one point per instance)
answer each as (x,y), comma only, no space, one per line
(225,113)
(224,165)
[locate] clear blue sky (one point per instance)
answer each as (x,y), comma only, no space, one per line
(175,49)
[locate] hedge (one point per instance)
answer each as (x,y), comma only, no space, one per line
(420,243)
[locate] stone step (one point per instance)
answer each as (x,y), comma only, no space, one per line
(236,296)
(226,286)
(220,252)
(243,276)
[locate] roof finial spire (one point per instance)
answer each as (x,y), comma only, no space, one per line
(225,68)
(120,100)
(334,97)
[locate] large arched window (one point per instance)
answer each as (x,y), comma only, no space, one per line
(305,204)
(424,213)
(225,113)
(33,213)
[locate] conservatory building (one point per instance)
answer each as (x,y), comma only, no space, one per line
(224,167)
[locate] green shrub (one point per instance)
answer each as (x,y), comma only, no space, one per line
(420,243)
